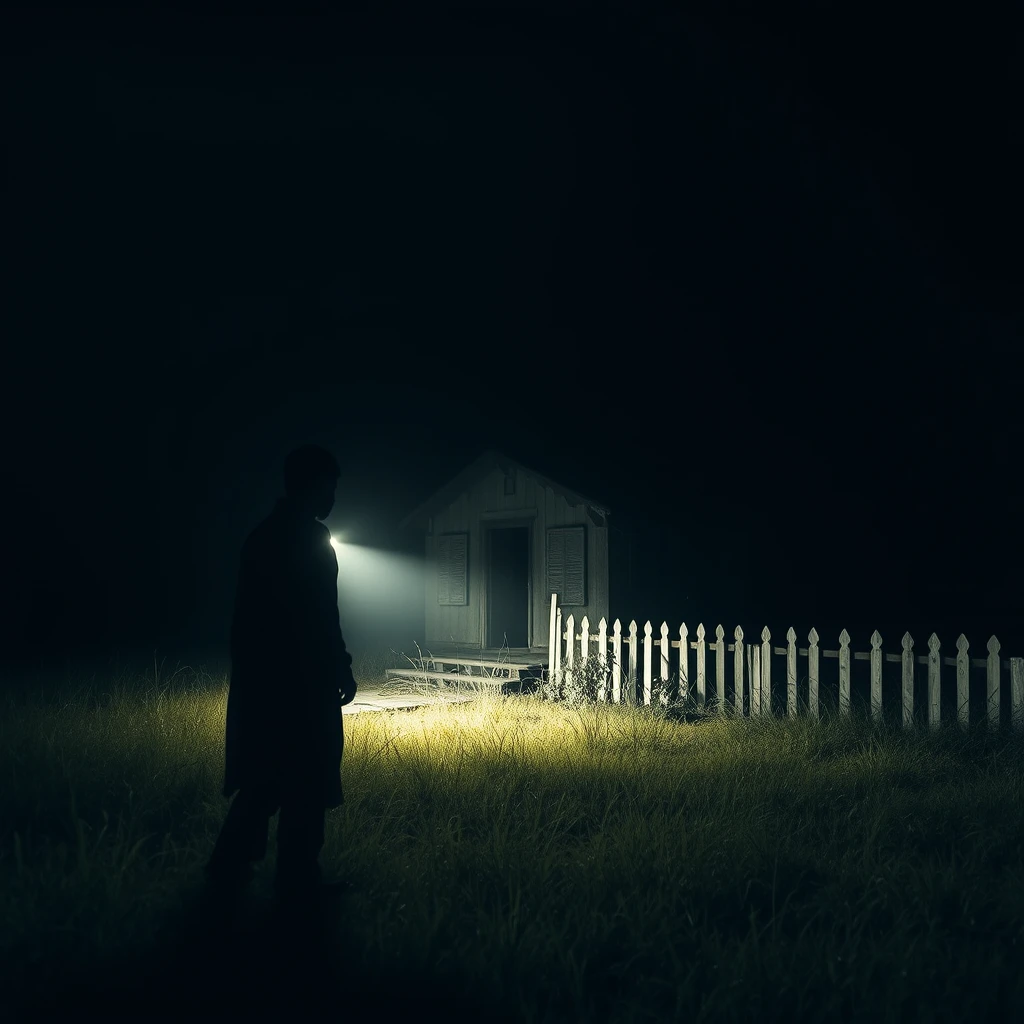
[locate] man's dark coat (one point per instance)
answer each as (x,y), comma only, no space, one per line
(289,664)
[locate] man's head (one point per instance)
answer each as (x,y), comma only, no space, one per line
(310,478)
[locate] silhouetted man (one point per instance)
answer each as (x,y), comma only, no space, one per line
(290,676)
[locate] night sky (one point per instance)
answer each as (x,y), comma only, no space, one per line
(748,273)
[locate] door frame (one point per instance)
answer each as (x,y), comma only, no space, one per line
(505,521)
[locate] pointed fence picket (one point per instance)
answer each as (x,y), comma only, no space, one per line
(737,667)
(632,678)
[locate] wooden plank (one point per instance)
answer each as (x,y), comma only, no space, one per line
(748,651)
(934,671)
(409,673)
(552,631)
(701,680)
(737,670)
(876,676)
(663,675)
(570,644)
(791,672)
(755,681)
(602,654)
(684,664)
(866,656)
(963,663)
(908,681)
(812,672)
(894,658)
(720,666)
(450,677)
(1017,693)
(616,662)
(633,654)
(766,672)
(992,679)
(648,652)
(518,666)
(844,673)
(556,667)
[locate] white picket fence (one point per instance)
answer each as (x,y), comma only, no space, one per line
(752,668)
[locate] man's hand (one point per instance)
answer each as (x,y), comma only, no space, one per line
(348,692)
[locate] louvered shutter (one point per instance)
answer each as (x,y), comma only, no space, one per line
(444,547)
(566,561)
(457,569)
(451,568)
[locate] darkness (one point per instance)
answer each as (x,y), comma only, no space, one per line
(749,273)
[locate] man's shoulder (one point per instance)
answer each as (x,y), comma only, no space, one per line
(320,540)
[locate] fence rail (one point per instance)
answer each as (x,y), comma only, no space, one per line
(636,679)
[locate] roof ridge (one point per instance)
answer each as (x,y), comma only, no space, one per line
(471,472)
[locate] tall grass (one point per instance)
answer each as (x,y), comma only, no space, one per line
(547,862)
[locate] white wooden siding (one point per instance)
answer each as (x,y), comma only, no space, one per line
(539,508)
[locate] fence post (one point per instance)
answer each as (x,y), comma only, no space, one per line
(844,673)
(570,644)
(666,646)
(876,676)
(992,673)
(755,681)
(720,666)
(1017,693)
(791,672)
(648,652)
(908,680)
(737,670)
(934,678)
(602,654)
(701,680)
(963,692)
(684,663)
(552,634)
(617,662)
(766,671)
(584,638)
(557,677)
(812,671)
(633,656)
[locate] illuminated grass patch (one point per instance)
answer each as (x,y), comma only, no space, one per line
(557,864)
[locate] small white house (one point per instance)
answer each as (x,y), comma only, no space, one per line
(500,539)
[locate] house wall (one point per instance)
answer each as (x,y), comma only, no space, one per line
(533,505)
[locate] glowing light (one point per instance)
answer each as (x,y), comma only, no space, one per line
(380,593)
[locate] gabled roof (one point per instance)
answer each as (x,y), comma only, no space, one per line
(476,471)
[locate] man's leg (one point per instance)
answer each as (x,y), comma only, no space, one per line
(243,836)
(300,838)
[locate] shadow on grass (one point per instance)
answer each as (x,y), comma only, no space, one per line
(247,957)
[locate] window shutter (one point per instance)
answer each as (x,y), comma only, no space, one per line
(444,547)
(575,576)
(451,568)
(457,570)
(566,558)
(556,563)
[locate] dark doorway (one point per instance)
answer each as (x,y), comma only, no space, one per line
(508,587)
